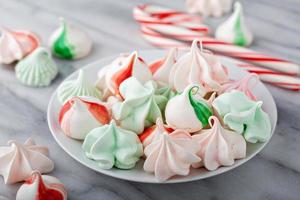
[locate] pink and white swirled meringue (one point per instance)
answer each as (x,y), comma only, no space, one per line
(170,154)
(188,110)
(82,114)
(198,67)
(219,146)
(161,68)
(38,187)
(18,160)
(15,45)
(245,85)
(111,76)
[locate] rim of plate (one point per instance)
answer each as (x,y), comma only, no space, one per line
(177,179)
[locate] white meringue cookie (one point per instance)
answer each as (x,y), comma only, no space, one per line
(170,154)
(161,68)
(82,114)
(234,30)
(18,160)
(188,111)
(111,76)
(39,187)
(198,67)
(214,8)
(15,45)
(69,42)
(219,147)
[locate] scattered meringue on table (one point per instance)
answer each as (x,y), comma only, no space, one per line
(215,8)
(234,30)
(37,69)
(15,45)
(18,160)
(69,42)
(41,187)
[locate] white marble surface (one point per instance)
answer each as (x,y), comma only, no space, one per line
(272,174)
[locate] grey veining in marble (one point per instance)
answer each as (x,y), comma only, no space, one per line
(272,174)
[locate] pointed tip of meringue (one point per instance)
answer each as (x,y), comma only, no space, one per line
(237,6)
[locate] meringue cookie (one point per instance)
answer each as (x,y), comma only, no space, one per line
(242,85)
(69,42)
(110,145)
(206,8)
(166,91)
(19,160)
(198,67)
(170,154)
(15,45)
(37,69)
(110,77)
(219,146)
(78,87)
(244,116)
(234,29)
(140,108)
(82,114)
(161,68)
(188,111)
(39,187)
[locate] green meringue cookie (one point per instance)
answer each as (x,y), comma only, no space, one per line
(141,106)
(78,87)
(37,69)
(110,145)
(166,91)
(244,116)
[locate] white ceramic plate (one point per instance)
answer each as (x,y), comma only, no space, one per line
(73,147)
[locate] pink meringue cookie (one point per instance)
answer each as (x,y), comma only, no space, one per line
(170,154)
(198,67)
(38,187)
(19,160)
(188,110)
(15,45)
(219,146)
(242,85)
(111,76)
(82,114)
(161,68)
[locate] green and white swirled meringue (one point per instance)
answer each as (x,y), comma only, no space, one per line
(78,87)
(69,42)
(110,145)
(244,116)
(37,69)
(141,106)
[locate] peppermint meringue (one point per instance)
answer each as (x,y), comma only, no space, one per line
(206,8)
(140,108)
(39,187)
(170,154)
(110,145)
(242,85)
(111,76)
(234,29)
(188,111)
(198,67)
(244,116)
(15,45)
(219,146)
(82,114)
(19,160)
(161,68)
(78,87)
(37,69)
(69,42)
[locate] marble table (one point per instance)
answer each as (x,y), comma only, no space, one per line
(272,174)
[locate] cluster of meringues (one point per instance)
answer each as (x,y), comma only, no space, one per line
(176,113)
(34,64)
